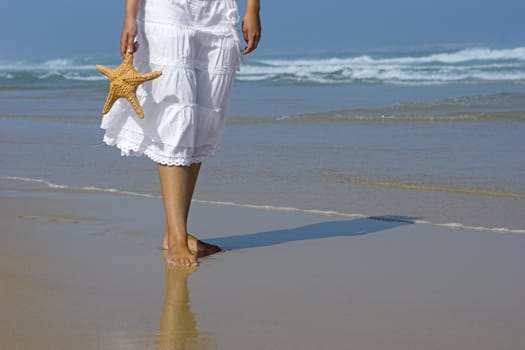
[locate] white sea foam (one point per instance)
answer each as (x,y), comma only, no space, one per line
(76,76)
(332,213)
(52,73)
(52,185)
(57,64)
(71,76)
(430,68)
(466,65)
(6,75)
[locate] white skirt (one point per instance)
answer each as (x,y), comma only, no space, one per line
(196,45)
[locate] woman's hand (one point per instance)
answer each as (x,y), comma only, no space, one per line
(127,38)
(251,26)
(129,29)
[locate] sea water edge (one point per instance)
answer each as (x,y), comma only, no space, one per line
(303,131)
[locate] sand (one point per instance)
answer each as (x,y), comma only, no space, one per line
(85,271)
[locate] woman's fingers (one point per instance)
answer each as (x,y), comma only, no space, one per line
(128,44)
(251,31)
(251,42)
(124,44)
(127,38)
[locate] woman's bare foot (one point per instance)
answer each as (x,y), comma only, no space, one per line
(180,255)
(205,249)
(196,246)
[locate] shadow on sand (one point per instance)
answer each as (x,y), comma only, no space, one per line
(342,228)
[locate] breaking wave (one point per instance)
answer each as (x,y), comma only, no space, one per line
(467,66)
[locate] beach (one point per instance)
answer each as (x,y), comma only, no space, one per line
(85,271)
(358,211)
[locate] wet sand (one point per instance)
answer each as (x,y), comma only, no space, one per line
(85,271)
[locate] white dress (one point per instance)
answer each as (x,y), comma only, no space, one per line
(196,45)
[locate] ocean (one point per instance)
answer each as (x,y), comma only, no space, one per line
(435,134)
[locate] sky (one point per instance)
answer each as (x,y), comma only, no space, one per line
(66,28)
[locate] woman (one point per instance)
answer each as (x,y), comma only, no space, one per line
(196,46)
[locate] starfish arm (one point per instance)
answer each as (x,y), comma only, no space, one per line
(127,64)
(112,97)
(128,60)
(150,76)
(139,78)
(104,70)
(133,100)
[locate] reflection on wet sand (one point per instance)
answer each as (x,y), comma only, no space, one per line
(178,327)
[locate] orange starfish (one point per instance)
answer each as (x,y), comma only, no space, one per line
(123,82)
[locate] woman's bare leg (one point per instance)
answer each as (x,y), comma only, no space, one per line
(174,182)
(195,245)
(194,174)
(192,181)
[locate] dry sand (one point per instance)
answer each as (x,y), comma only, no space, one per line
(84,271)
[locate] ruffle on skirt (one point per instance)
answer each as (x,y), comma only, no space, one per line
(185,109)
